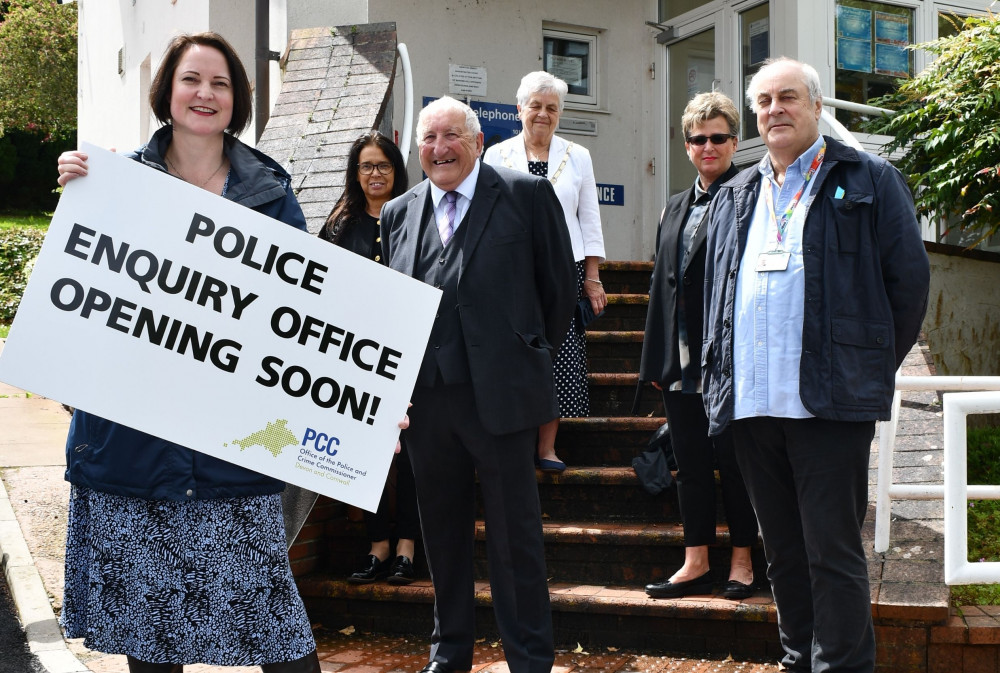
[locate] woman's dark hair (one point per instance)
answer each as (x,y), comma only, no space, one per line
(353,203)
(163,83)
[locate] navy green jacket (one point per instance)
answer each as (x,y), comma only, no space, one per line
(113,458)
(866,283)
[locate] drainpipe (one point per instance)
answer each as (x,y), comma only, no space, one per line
(262,74)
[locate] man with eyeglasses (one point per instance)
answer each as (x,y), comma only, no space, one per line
(495,242)
(671,360)
(815,287)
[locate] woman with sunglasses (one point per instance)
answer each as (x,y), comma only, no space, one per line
(376,174)
(671,360)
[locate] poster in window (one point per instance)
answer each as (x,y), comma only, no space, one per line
(854,23)
(892,60)
(566,68)
(892,29)
(700,75)
(854,55)
(758,40)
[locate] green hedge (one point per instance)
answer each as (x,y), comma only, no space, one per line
(18,249)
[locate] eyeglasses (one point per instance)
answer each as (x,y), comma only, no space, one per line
(716,138)
(383,168)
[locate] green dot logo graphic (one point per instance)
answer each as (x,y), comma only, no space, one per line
(275,437)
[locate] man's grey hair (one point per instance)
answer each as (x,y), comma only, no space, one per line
(809,77)
(448,103)
(541,82)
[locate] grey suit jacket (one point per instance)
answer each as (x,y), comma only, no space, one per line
(516,289)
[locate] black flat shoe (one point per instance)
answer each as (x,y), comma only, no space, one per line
(736,591)
(668,589)
(371,571)
(402,571)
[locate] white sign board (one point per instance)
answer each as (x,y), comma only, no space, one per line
(466,80)
(176,312)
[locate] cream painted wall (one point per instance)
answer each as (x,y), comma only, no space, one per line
(506,39)
(113,109)
(963,315)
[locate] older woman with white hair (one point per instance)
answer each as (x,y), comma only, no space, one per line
(537,150)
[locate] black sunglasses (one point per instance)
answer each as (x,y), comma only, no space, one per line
(716,138)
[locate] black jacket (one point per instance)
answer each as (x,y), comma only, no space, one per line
(866,283)
(660,356)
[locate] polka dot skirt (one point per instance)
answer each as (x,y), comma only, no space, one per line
(570,366)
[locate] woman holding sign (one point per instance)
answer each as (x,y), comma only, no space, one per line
(173,556)
(376,173)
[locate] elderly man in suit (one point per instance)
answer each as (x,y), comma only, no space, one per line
(815,288)
(495,242)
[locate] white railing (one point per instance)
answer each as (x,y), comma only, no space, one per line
(404,138)
(955,491)
(839,129)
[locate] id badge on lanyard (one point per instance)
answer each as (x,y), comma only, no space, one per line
(777,259)
(773,260)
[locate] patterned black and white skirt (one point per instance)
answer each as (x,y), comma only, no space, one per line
(204,581)
(570,365)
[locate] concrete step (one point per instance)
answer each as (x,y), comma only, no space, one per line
(613,394)
(614,351)
(605,440)
(586,615)
(624,312)
(626,277)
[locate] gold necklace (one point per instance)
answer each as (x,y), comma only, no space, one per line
(173,168)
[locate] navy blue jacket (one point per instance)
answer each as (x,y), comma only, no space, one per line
(866,283)
(113,458)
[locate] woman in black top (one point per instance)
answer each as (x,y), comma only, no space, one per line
(376,174)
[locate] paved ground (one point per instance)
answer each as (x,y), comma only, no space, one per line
(33,497)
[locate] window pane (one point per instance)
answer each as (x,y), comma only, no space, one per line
(569,60)
(754,37)
(871,40)
(949,24)
(692,71)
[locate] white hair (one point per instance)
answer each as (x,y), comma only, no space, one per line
(447,103)
(809,77)
(541,82)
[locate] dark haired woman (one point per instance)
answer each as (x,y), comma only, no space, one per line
(172,556)
(375,174)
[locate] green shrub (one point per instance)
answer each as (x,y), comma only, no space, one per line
(18,249)
(983,516)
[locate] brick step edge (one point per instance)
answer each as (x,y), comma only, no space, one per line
(565,597)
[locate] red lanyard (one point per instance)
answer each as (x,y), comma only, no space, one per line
(782,224)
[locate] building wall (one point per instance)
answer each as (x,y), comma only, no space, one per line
(506,40)
(113,108)
(963,312)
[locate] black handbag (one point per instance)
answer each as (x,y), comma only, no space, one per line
(585,314)
(653,466)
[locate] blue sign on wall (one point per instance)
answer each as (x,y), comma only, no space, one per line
(610,195)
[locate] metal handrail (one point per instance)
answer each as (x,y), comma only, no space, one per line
(404,138)
(857,107)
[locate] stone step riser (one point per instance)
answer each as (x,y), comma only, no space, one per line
(743,630)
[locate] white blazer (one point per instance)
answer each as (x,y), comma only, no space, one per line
(575,187)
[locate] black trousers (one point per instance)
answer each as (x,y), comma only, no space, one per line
(697,454)
(808,480)
(379,524)
(449,449)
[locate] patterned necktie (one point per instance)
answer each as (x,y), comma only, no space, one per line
(446,226)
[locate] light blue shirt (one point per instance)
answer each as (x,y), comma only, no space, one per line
(767,327)
(466,191)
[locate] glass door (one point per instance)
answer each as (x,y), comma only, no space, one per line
(691,62)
